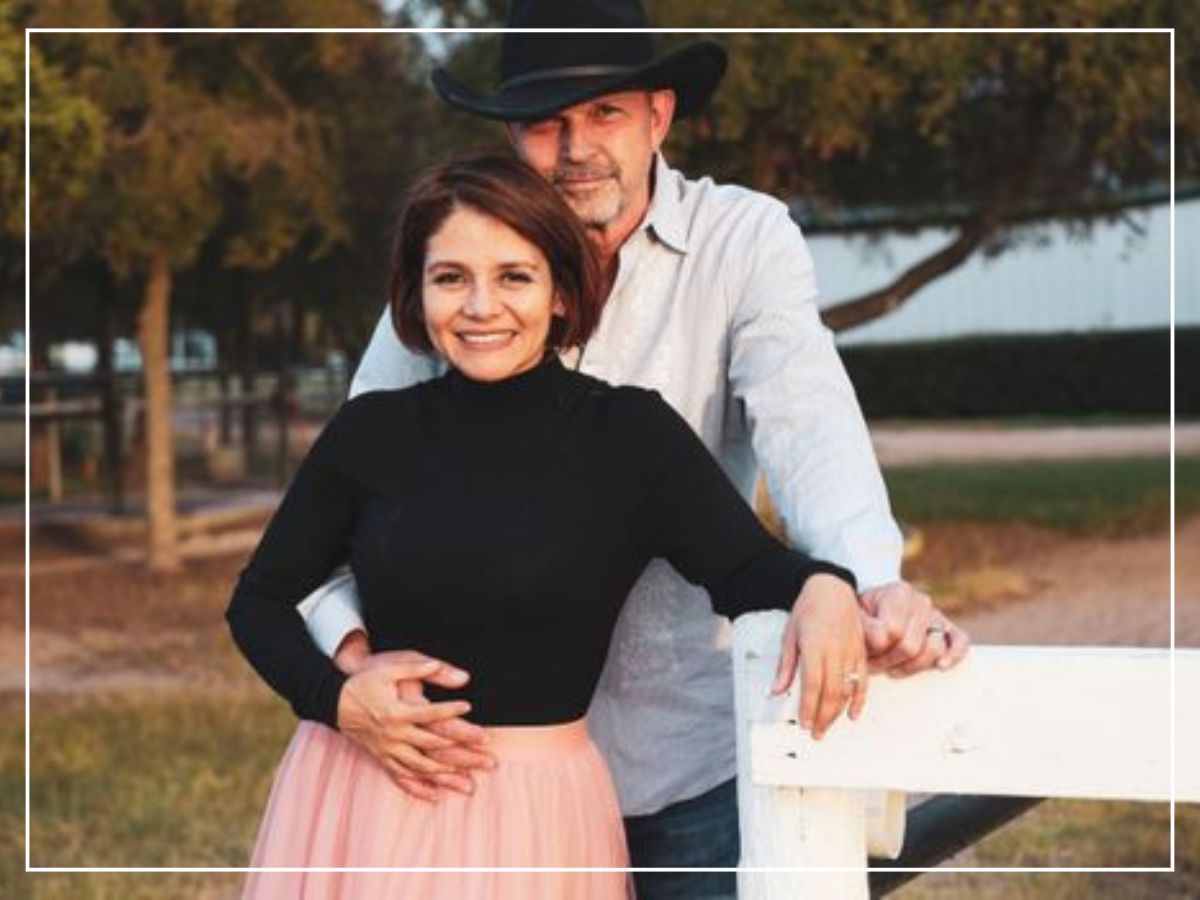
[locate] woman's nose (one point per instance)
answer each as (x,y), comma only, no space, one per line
(481,302)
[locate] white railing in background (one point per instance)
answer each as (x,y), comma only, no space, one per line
(1082,722)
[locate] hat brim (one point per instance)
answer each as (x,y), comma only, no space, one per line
(692,72)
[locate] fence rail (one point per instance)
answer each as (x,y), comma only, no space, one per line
(1020,722)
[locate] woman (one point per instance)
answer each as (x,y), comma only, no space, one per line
(497,516)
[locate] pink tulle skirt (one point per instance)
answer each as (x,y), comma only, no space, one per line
(548,803)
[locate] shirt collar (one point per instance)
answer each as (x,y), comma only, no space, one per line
(666,217)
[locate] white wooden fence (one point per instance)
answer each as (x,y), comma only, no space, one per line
(1081,722)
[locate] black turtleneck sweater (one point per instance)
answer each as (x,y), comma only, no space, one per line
(500,526)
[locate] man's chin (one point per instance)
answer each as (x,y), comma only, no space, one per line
(594,208)
(594,214)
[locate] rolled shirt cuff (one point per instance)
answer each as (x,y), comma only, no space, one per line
(332,611)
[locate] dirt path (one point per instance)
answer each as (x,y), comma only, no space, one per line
(1104,592)
(904,446)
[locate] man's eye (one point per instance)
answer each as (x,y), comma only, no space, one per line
(608,112)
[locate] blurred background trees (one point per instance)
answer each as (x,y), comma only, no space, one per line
(241,184)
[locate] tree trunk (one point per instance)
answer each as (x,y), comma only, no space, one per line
(154,338)
(246,363)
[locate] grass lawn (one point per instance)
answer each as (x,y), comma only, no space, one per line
(181,780)
(129,780)
(1082,834)
(1096,496)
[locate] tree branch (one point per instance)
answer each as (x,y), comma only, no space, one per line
(879,302)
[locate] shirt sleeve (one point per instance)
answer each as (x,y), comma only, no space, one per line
(334,609)
(691,515)
(388,365)
(807,430)
(304,542)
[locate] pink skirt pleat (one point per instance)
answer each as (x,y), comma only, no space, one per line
(549,803)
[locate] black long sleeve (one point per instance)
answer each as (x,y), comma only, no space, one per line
(500,527)
(305,540)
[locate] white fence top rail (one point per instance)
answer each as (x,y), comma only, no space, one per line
(1085,722)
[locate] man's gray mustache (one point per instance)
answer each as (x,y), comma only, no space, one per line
(568,175)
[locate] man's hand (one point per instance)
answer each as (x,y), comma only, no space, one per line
(423,746)
(906,633)
(352,652)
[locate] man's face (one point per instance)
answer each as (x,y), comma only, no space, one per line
(598,155)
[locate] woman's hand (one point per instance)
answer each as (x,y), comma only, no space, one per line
(825,631)
(423,746)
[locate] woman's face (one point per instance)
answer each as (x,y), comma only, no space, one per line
(487,295)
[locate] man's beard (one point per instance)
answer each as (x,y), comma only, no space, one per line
(597,207)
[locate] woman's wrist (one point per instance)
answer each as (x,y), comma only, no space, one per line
(827,570)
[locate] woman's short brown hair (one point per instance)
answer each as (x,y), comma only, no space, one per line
(508,190)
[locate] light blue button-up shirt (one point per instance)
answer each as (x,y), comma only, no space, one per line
(714,307)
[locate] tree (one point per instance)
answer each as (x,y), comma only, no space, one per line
(991,135)
(184,118)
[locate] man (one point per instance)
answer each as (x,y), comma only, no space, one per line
(712,303)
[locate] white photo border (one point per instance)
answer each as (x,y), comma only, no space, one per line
(29,868)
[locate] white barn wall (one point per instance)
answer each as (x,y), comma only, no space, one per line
(1116,280)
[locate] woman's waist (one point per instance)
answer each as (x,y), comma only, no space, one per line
(530,742)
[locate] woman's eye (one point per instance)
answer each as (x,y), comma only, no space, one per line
(517,278)
(447,278)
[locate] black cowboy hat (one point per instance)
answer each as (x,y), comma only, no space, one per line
(541,74)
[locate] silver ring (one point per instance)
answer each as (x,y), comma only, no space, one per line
(853,678)
(936,629)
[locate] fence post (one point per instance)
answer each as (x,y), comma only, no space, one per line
(789,826)
(54,477)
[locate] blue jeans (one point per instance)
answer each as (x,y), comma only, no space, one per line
(701,832)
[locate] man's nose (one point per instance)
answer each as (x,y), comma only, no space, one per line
(574,143)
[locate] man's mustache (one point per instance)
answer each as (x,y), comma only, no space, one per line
(582,173)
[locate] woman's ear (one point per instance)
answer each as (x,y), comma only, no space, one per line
(559,308)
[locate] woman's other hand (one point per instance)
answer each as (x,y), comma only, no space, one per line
(423,746)
(825,634)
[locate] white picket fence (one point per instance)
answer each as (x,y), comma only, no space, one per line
(1083,722)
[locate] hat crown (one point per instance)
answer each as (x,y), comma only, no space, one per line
(523,55)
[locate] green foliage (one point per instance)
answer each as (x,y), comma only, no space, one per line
(942,127)
(12,125)
(182,115)
(1115,373)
